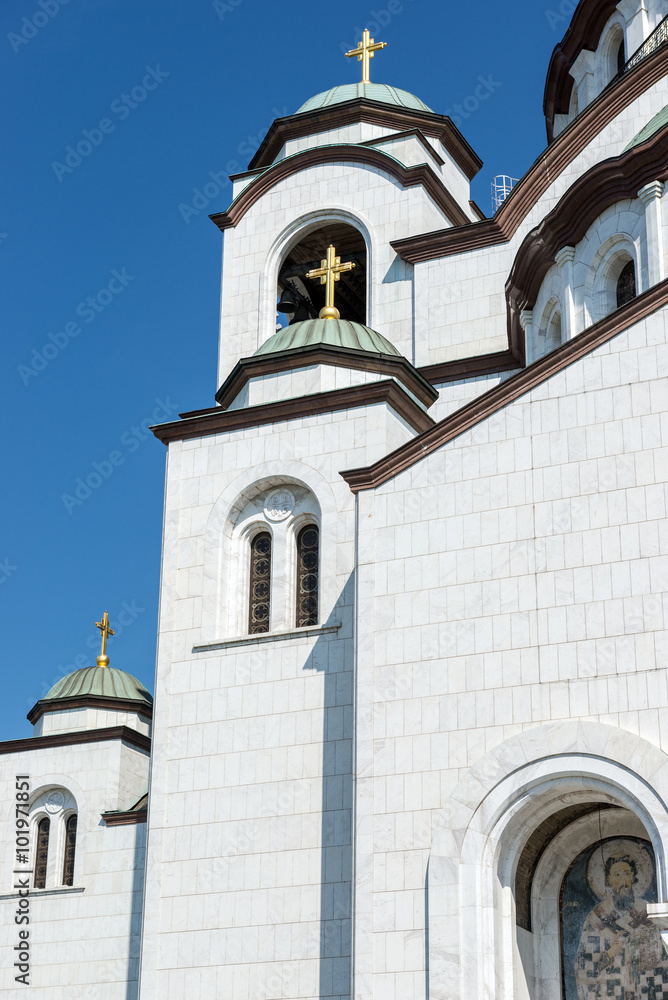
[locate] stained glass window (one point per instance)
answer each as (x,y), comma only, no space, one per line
(307,576)
(70,844)
(42,854)
(626,284)
(260,584)
(621,58)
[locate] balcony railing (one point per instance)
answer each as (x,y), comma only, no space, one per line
(658,38)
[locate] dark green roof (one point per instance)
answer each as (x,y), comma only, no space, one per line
(333,332)
(105,682)
(371,91)
(650,129)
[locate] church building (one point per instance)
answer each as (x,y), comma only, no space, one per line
(410,731)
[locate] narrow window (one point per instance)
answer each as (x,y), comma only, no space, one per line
(307,576)
(260,584)
(70,844)
(621,57)
(626,284)
(42,852)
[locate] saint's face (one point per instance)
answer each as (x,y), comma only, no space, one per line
(621,878)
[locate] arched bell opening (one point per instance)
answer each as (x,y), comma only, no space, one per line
(300,298)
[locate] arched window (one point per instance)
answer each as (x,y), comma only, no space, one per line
(70,845)
(621,57)
(42,853)
(307,576)
(553,336)
(626,284)
(260,584)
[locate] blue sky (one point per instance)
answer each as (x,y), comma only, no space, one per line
(110,288)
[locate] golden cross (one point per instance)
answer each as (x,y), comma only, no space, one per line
(330,271)
(365,52)
(106,630)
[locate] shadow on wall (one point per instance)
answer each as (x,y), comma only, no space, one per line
(332,655)
(138,861)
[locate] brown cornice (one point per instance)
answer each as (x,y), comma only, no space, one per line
(584,33)
(507,392)
(123,733)
(129,818)
(374,113)
(325,354)
(477,210)
(607,182)
(219,421)
(88,701)
(550,164)
(242,175)
(420,175)
(411,133)
(462,368)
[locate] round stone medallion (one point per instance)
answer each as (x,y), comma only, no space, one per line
(279,505)
(55,802)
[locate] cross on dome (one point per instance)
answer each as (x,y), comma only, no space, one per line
(365,52)
(329,272)
(106,630)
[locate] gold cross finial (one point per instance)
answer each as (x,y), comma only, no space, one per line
(106,630)
(329,272)
(365,52)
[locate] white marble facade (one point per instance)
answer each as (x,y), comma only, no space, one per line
(348,810)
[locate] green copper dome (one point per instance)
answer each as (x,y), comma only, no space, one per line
(330,332)
(650,129)
(105,682)
(371,91)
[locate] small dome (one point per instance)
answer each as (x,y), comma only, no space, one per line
(650,129)
(332,332)
(105,682)
(372,92)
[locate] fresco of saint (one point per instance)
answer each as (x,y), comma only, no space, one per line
(620,954)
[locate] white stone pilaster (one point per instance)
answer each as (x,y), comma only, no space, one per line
(635,14)
(582,72)
(363,816)
(526,322)
(565,259)
(650,195)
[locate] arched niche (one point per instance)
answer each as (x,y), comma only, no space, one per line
(476,949)
(609,263)
(612,53)
(562,896)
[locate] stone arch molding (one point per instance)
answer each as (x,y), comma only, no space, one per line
(220,613)
(290,235)
(484,826)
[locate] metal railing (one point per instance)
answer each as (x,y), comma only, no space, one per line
(658,38)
